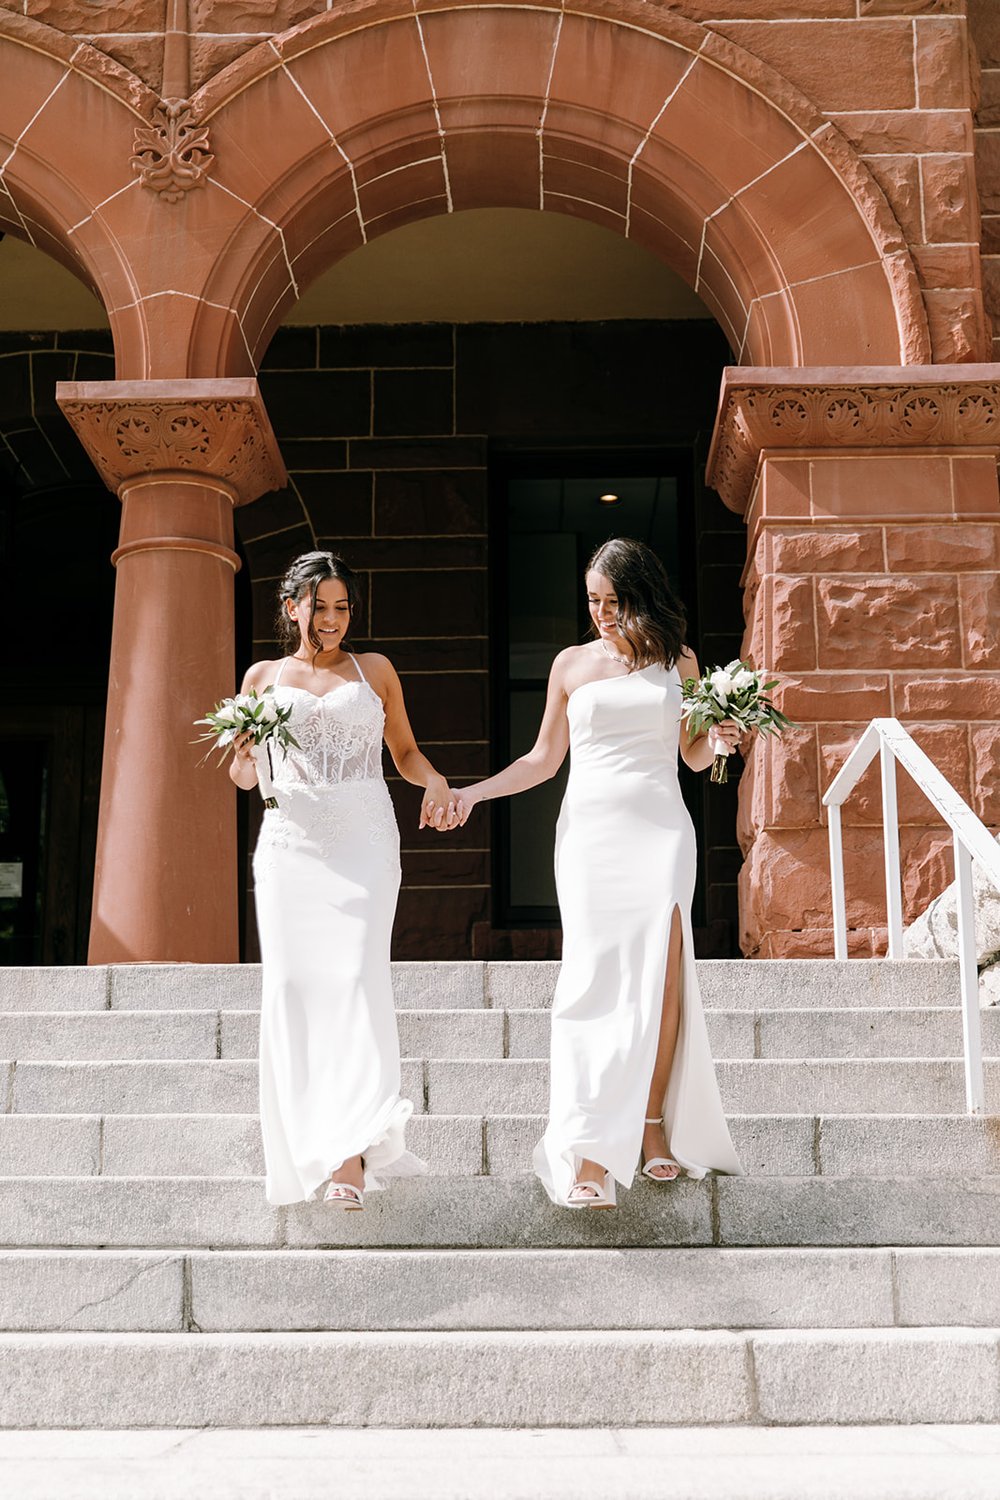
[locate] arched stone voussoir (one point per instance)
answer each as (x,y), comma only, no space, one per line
(635,117)
(68,115)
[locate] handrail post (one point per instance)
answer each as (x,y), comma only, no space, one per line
(890,840)
(972,1029)
(837,883)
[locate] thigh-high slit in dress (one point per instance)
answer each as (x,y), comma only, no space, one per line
(625,861)
(326,878)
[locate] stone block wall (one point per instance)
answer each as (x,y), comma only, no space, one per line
(873,589)
(984,23)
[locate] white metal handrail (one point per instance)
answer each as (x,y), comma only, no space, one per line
(970,840)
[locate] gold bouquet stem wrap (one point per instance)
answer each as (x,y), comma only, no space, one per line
(720,770)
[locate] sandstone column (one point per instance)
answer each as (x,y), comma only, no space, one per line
(872,588)
(180,454)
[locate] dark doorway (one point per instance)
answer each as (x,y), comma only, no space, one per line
(57,592)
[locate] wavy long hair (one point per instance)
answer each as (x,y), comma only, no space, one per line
(304,576)
(650,616)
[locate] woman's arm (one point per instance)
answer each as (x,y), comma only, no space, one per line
(700,752)
(438,808)
(543,759)
(242,769)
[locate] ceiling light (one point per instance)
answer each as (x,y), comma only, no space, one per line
(609,499)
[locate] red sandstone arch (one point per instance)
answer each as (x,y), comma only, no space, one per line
(635,118)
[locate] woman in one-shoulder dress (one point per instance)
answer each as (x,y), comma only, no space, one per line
(326,878)
(631,1068)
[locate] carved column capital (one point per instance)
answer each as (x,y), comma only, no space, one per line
(879,407)
(213,431)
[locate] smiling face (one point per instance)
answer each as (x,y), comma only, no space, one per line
(602,602)
(329,619)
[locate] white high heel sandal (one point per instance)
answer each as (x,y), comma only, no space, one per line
(344,1195)
(659,1161)
(591,1194)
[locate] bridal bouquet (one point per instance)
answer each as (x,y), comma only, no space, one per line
(257,714)
(734,692)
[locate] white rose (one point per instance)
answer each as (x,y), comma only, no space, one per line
(226,714)
(269,711)
(742,679)
(734,665)
(722,684)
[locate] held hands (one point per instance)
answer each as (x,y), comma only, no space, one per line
(440,807)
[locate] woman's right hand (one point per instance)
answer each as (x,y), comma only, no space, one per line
(243,769)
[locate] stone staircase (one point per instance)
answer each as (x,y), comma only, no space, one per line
(852,1277)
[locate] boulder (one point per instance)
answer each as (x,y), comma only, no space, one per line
(934,934)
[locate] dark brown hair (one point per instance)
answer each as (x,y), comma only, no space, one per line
(304,576)
(650,616)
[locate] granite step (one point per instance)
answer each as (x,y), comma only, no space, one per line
(229,1145)
(463,1212)
(455,1086)
(499,1378)
(233,1034)
(726,984)
(250,1291)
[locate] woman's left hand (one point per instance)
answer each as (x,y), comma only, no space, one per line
(724,737)
(439,808)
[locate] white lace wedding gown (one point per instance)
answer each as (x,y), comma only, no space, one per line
(326,874)
(625,858)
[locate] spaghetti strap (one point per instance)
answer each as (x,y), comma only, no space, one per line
(357,668)
(281,668)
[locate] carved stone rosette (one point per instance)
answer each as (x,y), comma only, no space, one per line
(171,155)
(934,406)
(200,429)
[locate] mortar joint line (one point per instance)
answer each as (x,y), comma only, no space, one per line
(540,132)
(349,163)
(8,1107)
(714,1212)
(437,112)
(753,1390)
(218,1035)
(817,1145)
(484,1147)
(652,126)
(894,1289)
(100,1145)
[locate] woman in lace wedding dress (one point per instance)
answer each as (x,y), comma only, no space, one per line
(631,1068)
(326,878)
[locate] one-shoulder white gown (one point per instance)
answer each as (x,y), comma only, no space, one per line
(625,858)
(326,878)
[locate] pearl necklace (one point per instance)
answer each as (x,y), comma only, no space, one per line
(622,660)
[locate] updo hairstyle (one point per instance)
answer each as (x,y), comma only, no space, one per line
(304,576)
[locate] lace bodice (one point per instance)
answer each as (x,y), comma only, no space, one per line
(339,736)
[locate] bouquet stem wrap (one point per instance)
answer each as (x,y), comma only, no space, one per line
(262,759)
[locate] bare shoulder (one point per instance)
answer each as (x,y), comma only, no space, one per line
(261,674)
(687,663)
(378,669)
(575,665)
